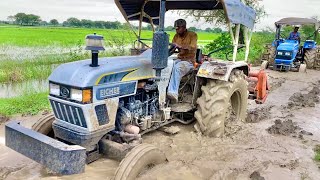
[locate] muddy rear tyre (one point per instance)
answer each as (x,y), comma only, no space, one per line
(44,125)
(269,54)
(264,65)
(309,58)
(215,100)
(139,158)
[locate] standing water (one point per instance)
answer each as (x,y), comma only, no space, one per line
(9,90)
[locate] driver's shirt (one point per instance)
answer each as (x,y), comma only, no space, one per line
(189,40)
(294,36)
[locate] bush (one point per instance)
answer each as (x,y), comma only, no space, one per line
(256,47)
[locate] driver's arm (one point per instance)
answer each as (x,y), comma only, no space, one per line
(290,36)
(193,39)
(298,36)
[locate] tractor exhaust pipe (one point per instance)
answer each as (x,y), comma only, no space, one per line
(160,44)
(94,59)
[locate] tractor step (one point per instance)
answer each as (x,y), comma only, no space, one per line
(53,154)
(181,107)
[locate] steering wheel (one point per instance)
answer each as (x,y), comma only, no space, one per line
(172,49)
(282,36)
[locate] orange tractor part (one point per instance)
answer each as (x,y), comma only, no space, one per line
(258,86)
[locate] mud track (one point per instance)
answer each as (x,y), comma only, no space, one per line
(248,151)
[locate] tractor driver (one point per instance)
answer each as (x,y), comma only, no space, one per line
(186,42)
(295,35)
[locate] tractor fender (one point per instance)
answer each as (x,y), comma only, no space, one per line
(221,70)
(309,44)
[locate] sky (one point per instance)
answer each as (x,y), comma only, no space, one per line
(106,10)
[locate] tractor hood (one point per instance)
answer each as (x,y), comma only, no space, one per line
(288,46)
(114,69)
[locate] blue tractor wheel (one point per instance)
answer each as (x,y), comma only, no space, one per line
(309,58)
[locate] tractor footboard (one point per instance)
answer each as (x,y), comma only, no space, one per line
(53,154)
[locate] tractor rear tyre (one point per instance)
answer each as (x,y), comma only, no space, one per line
(44,125)
(138,159)
(309,58)
(269,54)
(215,100)
(264,65)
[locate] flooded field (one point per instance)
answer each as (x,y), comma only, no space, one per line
(18,89)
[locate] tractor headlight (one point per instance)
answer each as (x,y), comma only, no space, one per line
(54,89)
(84,96)
(76,95)
(288,53)
(280,53)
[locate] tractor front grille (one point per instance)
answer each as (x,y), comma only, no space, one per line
(102,114)
(68,113)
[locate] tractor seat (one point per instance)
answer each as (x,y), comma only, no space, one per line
(199,56)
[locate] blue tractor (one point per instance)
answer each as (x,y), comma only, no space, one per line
(285,54)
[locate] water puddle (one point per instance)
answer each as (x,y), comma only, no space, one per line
(17,89)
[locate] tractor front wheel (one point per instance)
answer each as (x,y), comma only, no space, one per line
(44,125)
(214,103)
(138,159)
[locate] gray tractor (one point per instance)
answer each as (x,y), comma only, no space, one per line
(103,106)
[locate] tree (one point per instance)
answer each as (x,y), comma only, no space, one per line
(74,22)
(27,19)
(217,30)
(11,19)
(208,30)
(33,19)
(169,28)
(86,23)
(194,29)
(54,22)
(20,18)
(65,23)
(218,17)
(43,23)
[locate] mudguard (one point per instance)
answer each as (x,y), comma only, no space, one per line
(55,155)
(221,70)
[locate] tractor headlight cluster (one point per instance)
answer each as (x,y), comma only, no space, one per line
(287,53)
(83,96)
(79,95)
(54,89)
(284,53)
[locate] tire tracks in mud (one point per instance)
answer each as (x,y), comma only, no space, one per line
(6,171)
(297,101)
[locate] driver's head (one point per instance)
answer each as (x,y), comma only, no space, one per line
(296,29)
(181,26)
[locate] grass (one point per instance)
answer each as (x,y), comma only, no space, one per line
(317,153)
(31,52)
(68,37)
(30,104)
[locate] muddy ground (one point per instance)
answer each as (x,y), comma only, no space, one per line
(276,143)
